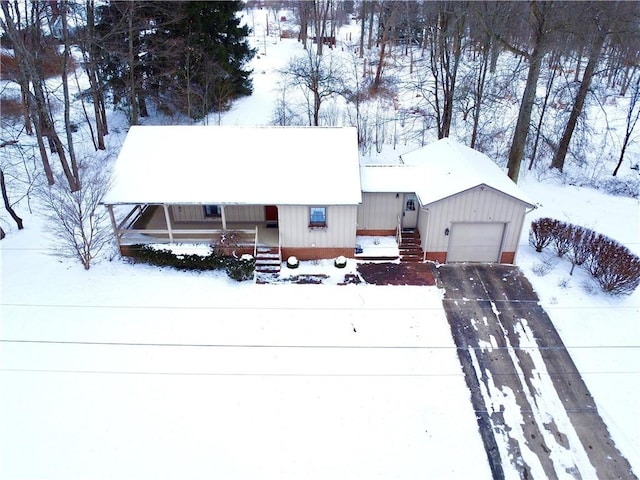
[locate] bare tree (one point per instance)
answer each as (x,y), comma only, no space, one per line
(633,113)
(7,204)
(28,53)
(318,75)
(540,17)
(446,49)
(75,218)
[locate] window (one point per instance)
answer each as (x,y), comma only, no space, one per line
(317,216)
(410,205)
(212,210)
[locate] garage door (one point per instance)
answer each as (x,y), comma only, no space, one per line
(475,242)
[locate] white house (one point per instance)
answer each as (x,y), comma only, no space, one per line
(301,191)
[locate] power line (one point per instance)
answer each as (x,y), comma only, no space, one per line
(310,375)
(313,308)
(319,347)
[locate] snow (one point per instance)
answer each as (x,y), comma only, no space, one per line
(449,167)
(183,164)
(158,373)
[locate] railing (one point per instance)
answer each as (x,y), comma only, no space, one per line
(255,244)
(399,231)
(161,235)
(138,210)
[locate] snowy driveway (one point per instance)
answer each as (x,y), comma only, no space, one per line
(536,416)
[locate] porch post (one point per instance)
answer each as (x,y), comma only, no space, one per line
(114,225)
(168,219)
(223,217)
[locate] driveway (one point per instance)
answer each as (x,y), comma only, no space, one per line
(535,413)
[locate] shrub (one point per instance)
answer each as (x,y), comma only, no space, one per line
(613,266)
(581,239)
(237,268)
(561,234)
(541,233)
(241,269)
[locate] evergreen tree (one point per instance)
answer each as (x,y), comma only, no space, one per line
(185,56)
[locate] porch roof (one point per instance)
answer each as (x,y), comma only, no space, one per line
(181,164)
(438,171)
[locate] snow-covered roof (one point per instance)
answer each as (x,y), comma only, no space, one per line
(182,164)
(438,171)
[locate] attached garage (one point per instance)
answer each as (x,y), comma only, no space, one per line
(470,210)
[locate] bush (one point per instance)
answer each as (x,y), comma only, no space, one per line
(561,234)
(241,269)
(612,265)
(541,233)
(580,251)
(237,268)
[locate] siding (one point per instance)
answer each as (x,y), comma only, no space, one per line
(233,213)
(379,211)
(340,232)
(480,204)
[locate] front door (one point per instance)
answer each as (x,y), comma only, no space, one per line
(410,211)
(271,215)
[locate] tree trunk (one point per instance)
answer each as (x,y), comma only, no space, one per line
(545,103)
(633,115)
(563,146)
(363,14)
(524,114)
(7,204)
(75,183)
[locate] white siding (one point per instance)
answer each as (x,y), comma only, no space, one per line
(379,211)
(233,213)
(480,204)
(340,232)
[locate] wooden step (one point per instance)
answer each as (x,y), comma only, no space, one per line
(267,260)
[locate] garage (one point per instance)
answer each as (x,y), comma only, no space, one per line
(475,242)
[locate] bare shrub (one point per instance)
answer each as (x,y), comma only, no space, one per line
(543,268)
(613,266)
(76,219)
(561,234)
(581,239)
(541,233)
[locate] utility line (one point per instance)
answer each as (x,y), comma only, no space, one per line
(288,346)
(314,308)
(310,375)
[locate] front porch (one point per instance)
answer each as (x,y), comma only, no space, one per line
(145,224)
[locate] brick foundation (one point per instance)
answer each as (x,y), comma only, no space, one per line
(376,233)
(508,257)
(302,253)
(438,257)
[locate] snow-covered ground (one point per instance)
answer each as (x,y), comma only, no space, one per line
(130,371)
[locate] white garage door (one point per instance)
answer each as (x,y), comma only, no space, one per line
(475,242)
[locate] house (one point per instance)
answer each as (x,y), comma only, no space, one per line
(294,190)
(300,191)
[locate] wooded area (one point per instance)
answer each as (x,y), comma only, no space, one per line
(190,59)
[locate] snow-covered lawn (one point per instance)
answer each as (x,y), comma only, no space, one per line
(171,374)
